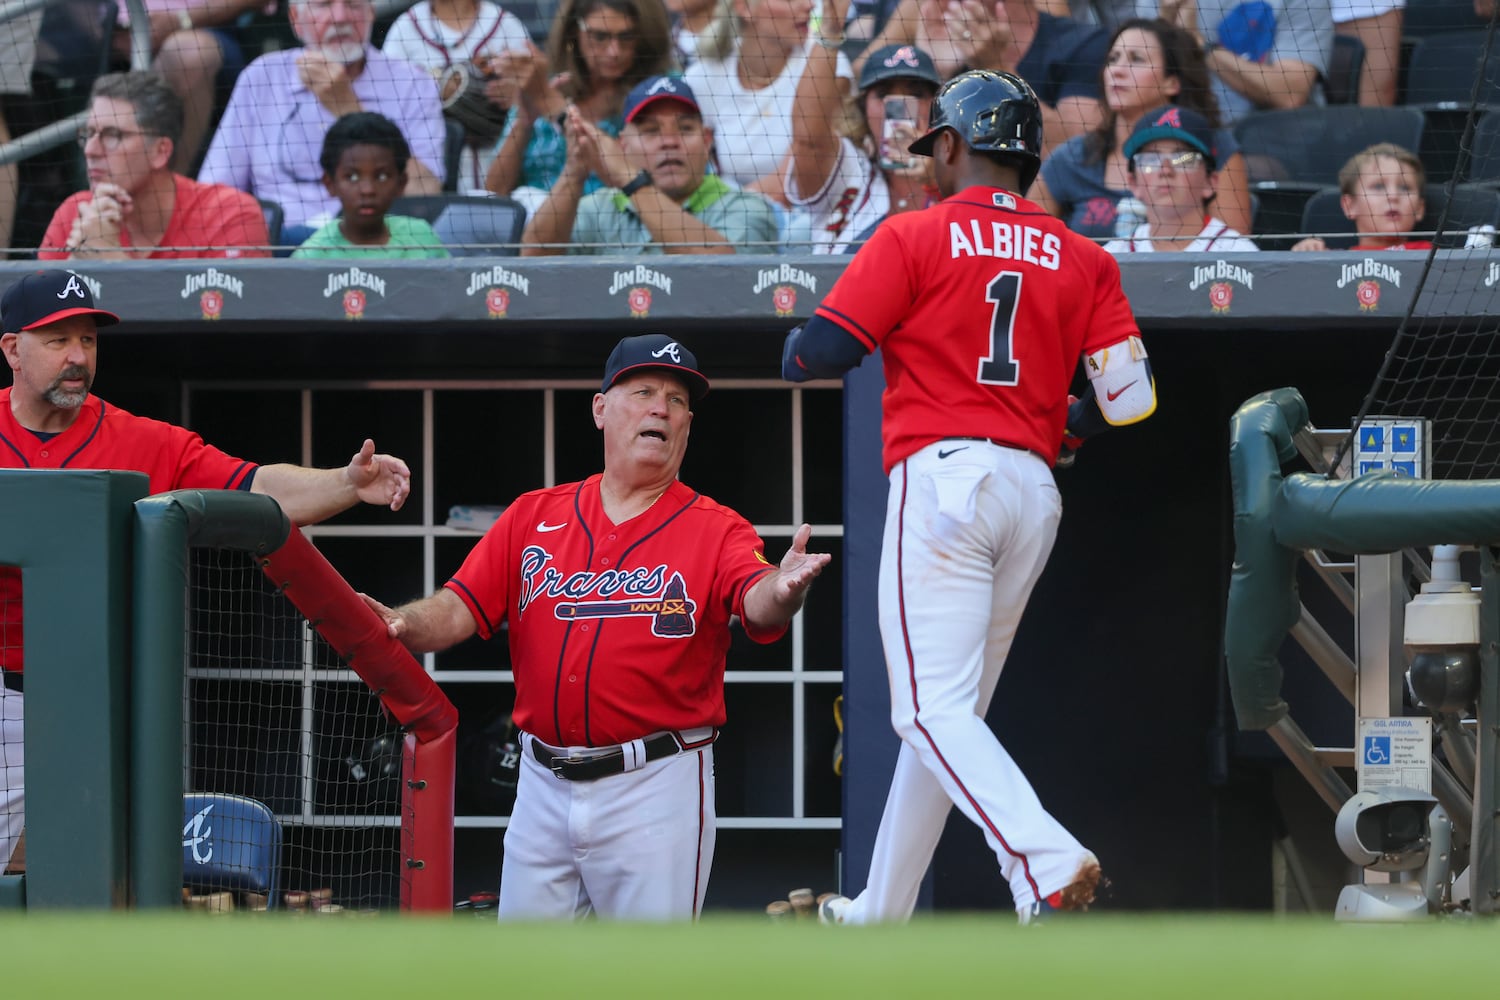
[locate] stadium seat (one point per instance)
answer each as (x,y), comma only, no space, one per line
(273,213)
(1291,154)
(1431,17)
(1341,81)
(1471,206)
(1484,165)
(230,844)
(1441,82)
(481,227)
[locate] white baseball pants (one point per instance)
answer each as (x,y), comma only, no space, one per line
(12,772)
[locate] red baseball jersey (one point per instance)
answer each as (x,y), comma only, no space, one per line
(617,631)
(107,437)
(982,306)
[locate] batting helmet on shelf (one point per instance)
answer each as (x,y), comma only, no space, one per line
(992,112)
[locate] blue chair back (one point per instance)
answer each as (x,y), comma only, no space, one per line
(230,843)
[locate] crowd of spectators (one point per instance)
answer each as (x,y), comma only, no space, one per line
(684,126)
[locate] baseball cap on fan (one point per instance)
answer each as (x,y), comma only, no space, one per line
(659,88)
(1173,121)
(655,350)
(45,297)
(898,62)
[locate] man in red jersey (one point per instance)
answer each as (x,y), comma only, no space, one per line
(618,591)
(50,420)
(982,306)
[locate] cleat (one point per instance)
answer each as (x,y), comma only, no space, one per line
(1075,897)
(832,907)
(779,909)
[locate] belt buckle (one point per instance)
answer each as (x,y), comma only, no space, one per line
(558,762)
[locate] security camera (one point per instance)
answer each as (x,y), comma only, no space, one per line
(1442,638)
(1386,829)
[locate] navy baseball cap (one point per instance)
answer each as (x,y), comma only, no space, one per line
(655,350)
(659,88)
(898,62)
(45,297)
(1172,121)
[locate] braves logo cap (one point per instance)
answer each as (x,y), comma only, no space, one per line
(1172,121)
(45,297)
(659,88)
(655,350)
(898,62)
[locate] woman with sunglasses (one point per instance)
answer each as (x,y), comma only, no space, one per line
(1150,63)
(598,50)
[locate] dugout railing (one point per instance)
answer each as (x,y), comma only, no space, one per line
(105,804)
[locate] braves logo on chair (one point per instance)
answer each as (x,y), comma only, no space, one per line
(197,833)
(906,55)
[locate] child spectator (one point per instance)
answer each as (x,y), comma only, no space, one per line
(1174,172)
(364,166)
(1381,190)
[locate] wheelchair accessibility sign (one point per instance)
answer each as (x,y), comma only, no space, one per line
(1394,752)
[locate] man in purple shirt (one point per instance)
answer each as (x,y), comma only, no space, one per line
(272,131)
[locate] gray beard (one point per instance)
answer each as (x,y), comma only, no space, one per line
(65,399)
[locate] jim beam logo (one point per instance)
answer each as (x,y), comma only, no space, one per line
(210,286)
(1221,276)
(1491,275)
(1366,277)
(637,282)
(495,284)
(781,280)
(353,283)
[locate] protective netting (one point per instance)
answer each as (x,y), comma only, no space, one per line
(803,110)
(273,715)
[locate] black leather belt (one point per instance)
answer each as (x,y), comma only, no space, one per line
(1001,444)
(605,764)
(14,680)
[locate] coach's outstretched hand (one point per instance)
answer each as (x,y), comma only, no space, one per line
(779,595)
(379,479)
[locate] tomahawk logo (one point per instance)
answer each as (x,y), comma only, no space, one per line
(671,614)
(1171,118)
(664,84)
(196,832)
(71,288)
(672,351)
(904,56)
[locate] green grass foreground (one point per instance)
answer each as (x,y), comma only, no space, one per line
(1098,956)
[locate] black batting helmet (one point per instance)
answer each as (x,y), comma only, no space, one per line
(992,112)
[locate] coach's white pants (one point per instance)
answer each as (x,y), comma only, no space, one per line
(632,846)
(12,773)
(966,538)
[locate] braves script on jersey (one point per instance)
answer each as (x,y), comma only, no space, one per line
(616,631)
(107,437)
(981,319)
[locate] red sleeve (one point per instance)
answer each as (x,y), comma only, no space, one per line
(742,564)
(61,225)
(199,465)
(483,581)
(1113,320)
(875,292)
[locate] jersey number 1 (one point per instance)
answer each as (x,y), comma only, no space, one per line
(1000,366)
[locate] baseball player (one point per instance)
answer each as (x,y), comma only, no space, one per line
(983,306)
(50,420)
(618,591)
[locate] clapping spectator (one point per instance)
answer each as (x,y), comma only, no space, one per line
(136,206)
(659,197)
(1150,63)
(364,166)
(1264,54)
(850,180)
(1059,57)
(271,137)
(599,50)
(1173,171)
(749,64)
(441,34)
(1381,192)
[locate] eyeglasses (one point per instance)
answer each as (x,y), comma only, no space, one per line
(321,7)
(109,136)
(1150,163)
(603,38)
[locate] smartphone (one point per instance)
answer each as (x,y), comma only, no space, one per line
(899,132)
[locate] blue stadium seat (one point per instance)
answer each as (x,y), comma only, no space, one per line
(1442,78)
(481,227)
(1431,17)
(230,844)
(1484,165)
(273,213)
(1341,81)
(453,148)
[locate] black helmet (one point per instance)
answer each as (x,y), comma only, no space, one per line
(993,112)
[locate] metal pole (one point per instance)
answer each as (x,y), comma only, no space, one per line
(1484,866)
